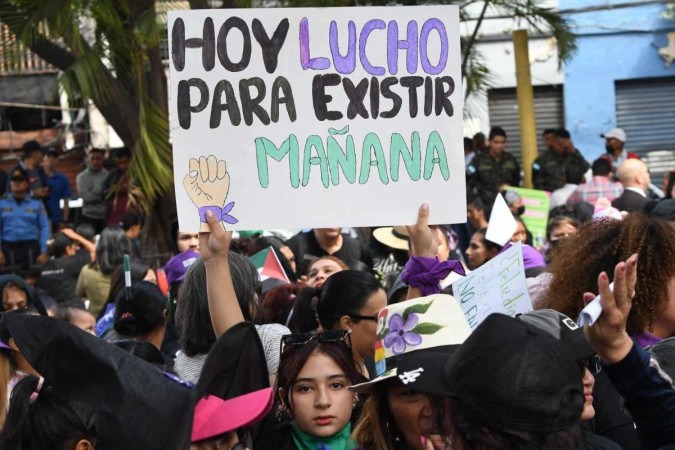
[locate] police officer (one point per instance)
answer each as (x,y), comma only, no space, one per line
(24,225)
(490,170)
(548,170)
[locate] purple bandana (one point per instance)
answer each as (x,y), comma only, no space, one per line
(426,273)
(222,214)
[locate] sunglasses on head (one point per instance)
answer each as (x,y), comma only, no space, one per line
(591,363)
(291,340)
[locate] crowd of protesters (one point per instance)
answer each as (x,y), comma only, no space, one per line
(362,344)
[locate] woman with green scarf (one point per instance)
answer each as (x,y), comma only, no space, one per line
(314,408)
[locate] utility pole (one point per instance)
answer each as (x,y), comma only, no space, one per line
(528,126)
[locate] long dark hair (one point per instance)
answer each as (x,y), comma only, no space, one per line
(112,245)
(293,359)
(47,421)
(343,293)
(138,272)
(193,320)
(142,312)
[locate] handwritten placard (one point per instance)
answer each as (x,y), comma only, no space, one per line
(537,204)
(321,117)
(498,286)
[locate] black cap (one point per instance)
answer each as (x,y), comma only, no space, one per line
(515,376)
(562,328)
(58,244)
(19,174)
(125,402)
(51,151)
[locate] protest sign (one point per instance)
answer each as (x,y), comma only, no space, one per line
(321,117)
(498,286)
(537,205)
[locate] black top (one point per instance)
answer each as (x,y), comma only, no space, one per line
(611,419)
(58,277)
(630,201)
(305,247)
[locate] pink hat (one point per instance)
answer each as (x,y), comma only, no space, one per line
(215,416)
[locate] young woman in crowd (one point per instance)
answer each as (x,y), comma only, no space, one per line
(40,418)
(558,229)
(321,268)
(315,406)
(481,250)
(348,300)
(140,313)
(139,272)
(193,317)
(74,312)
(520,235)
(94,280)
(599,247)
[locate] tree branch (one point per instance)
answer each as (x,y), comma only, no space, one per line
(472,38)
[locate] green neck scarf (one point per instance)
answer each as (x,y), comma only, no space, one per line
(339,441)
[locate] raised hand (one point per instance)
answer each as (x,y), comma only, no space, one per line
(214,243)
(608,335)
(423,238)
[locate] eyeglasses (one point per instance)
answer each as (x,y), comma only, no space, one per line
(324,336)
(592,364)
(357,317)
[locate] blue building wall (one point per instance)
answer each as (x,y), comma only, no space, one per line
(613,44)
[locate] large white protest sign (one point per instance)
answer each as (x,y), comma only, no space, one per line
(287,118)
(498,286)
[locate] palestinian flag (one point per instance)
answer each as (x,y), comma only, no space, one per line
(270,271)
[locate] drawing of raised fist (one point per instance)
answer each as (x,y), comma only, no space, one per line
(207,183)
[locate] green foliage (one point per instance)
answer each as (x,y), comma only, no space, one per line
(102,48)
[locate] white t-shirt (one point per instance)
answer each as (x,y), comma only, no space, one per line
(189,368)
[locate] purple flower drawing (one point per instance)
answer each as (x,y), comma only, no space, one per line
(400,333)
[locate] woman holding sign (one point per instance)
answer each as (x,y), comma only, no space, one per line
(313,405)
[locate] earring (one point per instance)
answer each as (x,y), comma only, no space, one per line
(355,401)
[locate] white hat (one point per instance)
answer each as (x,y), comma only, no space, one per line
(616,133)
(435,324)
(394,237)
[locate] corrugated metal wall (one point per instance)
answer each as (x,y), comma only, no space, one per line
(503,110)
(645,109)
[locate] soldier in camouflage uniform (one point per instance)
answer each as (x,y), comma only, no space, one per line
(548,170)
(491,169)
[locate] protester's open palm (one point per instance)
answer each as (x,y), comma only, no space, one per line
(608,335)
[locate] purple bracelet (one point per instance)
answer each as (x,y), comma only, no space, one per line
(222,214)
(426,273)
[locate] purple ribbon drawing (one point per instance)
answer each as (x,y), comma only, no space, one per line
(222,214)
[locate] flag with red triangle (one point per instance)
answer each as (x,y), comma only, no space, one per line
(269,267)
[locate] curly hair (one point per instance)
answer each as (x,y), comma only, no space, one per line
(598,247)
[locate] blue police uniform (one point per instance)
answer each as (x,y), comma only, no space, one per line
(24,229)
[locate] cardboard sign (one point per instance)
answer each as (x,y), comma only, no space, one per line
(321,117)
(537,206)
(498,286)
